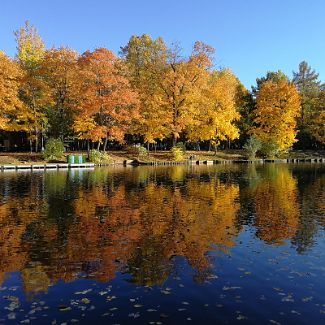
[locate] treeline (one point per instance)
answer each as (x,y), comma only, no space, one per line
(151,93)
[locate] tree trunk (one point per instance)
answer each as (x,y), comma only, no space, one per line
(88,148)
(174,140)
(36,140)
(98,146)
(42,141)
(105,144)
(215,149)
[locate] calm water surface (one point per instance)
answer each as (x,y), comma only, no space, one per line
(164,245)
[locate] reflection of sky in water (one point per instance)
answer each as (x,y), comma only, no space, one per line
(163,245)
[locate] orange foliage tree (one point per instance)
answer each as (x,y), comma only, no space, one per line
(108,103)
(61,74)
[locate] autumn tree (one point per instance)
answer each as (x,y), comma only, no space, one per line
(181,86)
(30,52)
(216,111)
(108,102)
(146,59)
(168,84)
(13,114)
(246,103)
(61,74)
(277,108)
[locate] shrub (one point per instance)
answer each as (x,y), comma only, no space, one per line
(177,153)
(99,157)
(182,146)
(142,152)
(270,149)
(54,149)
(251,146)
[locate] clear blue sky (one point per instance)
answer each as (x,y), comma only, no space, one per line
(250,36)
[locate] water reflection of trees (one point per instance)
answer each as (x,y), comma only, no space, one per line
(275,199)
(311,184)
(93,224)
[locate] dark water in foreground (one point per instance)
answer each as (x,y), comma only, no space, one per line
(164,245)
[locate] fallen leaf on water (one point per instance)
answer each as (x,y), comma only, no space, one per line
(134,315)
(85,300)
(274,322)
(307,299)
(64,308)
(83,292)
(295,312)
(225,288)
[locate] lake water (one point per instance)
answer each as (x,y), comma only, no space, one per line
(164,245)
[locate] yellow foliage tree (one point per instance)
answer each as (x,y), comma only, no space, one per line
(146,59)
(277,109)
(216,110)
(12,111)
(30,52)
(167,84)
(181,86)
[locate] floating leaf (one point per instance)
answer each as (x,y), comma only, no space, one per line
(64,308)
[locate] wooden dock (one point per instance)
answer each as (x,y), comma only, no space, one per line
(45,166)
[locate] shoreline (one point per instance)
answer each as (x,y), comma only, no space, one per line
(136,163)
